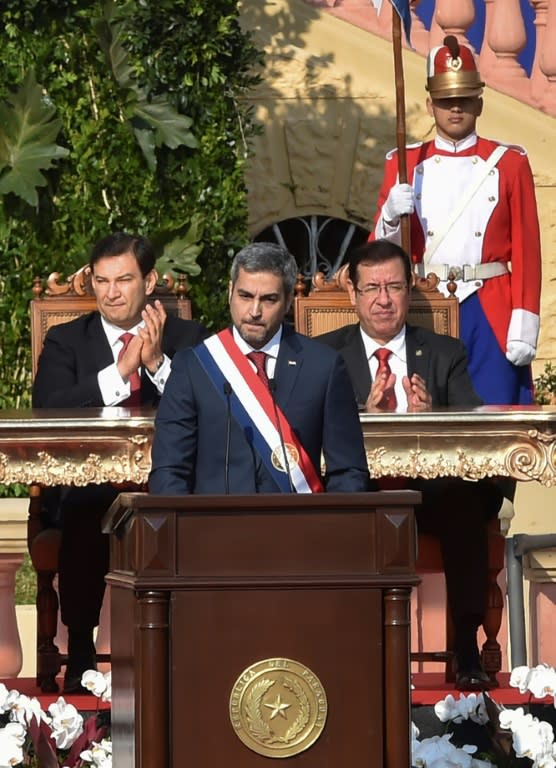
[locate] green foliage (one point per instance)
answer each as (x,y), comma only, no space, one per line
(545,385)
(27,141)
(119,115)
(25,583)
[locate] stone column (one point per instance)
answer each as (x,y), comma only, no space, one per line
(13,545)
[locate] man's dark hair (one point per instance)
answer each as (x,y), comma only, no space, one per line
(266,257)
(120,243)
(377,252)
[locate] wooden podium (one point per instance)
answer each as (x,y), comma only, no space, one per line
(251,627)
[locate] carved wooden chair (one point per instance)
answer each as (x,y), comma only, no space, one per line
(60,301)
(328,307)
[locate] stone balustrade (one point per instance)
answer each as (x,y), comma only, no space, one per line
(13,545)
(505,36)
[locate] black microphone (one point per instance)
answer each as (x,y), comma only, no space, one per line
(227,392)
(272,388)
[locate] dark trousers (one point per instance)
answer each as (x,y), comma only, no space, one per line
(457,512)
(84,554)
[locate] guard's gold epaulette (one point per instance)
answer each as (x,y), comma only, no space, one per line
(392,152)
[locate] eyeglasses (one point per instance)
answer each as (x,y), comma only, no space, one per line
(373,289)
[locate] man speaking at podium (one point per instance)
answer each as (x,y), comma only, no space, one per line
(254,408)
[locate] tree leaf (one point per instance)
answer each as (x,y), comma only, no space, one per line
(180,253)
(28,130)
(154,115)
(168,125)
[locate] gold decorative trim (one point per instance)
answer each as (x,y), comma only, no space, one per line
(131,465)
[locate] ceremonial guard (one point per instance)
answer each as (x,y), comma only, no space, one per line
(473,216)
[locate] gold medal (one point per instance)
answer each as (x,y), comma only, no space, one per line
(278,707)
(277,457)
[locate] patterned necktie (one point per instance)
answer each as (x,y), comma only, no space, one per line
(134,379)
(259,361)
(389,401)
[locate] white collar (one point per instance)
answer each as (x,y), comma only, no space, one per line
(395,345)
(113,333)
(456,146)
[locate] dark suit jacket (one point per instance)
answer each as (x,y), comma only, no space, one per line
(312,389)
(440,360)
(74,353)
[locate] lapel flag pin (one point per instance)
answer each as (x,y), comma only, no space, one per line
(419,352)
(292,362)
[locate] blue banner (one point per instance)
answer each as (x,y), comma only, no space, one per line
(404,12)
(402,7)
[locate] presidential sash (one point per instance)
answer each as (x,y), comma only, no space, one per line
(254,409)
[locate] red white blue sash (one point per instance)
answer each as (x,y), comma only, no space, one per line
(253,407)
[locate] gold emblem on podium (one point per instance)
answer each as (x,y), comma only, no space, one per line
(278,707)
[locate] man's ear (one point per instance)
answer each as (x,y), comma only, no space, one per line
(289,301)
(428,104)
(151,280)
(230,290)
(351,291)
(479,111)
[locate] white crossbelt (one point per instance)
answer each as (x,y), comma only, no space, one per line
(464,272)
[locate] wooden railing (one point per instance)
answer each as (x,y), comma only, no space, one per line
(506,33)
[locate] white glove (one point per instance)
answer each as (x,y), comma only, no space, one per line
(398,202)
(520,352)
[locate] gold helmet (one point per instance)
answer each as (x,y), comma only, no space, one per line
(451,71)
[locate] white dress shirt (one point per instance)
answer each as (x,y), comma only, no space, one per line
(112,387)
(397,362)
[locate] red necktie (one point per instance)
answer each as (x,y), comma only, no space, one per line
(259,360)
(134,378)
(389,401)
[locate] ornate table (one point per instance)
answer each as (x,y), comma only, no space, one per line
(515,441)
(113,444)
(75,446)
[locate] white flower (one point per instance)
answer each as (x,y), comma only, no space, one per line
(107,695)
(12,738)
(22,709)
(539,680)
(519,677)
(98,683)
(531,737)
(470,707)
(67,723)
(94,681)
(439,752)
(99,755)
(3,698)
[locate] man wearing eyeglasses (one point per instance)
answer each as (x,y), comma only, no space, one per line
(396,366)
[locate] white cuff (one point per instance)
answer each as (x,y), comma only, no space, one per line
(386,231)
(161,375)
(524,326)
(112,387)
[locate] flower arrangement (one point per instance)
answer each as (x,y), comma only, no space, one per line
(58,737)
(506,738)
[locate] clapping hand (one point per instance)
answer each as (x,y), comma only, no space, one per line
(154,316)
(418,397)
